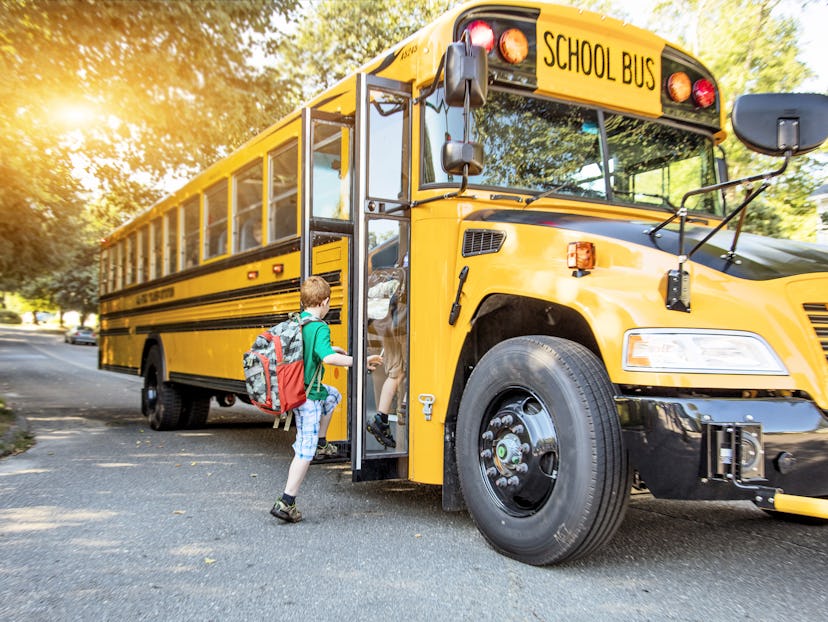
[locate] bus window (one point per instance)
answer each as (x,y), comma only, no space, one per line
(170,242)
(388,134)
(104,272)
(215,218)
(119,265)
(189,225)
(281,215)
(655,164)
(331,176)
(247,203)
(129,260)
(157,246)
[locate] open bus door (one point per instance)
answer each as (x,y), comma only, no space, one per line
(328,232)
(383,128)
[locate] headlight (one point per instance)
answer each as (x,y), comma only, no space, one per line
(699,352)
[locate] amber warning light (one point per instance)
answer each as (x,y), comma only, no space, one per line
(679,89)
(580,256)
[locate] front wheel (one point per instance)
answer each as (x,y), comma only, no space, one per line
(539,450)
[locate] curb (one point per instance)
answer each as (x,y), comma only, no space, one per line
(7,441)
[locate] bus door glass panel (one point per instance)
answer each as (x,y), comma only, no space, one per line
(215,218)
(190,228)
(247,204)
(331,177)
(386,335)
(284,190)
(330,236)
(119,264)
(170,241)
(388,148)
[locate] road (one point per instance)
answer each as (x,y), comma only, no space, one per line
(104,519)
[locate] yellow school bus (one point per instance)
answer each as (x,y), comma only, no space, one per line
(576,310)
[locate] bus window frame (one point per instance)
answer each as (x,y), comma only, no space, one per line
(241,216)
(279,203)
(170,242)
(220,188)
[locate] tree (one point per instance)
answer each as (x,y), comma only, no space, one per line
(109,91)
(333,38)
(750,46)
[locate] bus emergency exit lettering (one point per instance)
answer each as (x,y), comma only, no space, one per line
(594,59)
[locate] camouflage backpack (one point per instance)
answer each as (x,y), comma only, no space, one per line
(274,369)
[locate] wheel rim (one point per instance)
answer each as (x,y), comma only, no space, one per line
(518,452)
(151,390)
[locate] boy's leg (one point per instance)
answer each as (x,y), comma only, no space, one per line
(328,406)
(307,418)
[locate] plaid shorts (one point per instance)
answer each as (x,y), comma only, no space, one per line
(307,418)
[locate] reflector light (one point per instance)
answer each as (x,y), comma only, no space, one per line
(678,86)
(513,46)
(278,268)
(580,255)
(704,94)
(481,34)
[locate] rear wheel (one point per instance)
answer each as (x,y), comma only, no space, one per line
(539,451)
(161,401)
(195,408)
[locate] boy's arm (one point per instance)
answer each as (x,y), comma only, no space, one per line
(342,360)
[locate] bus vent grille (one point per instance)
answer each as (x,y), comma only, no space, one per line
(818,315)
(482,241)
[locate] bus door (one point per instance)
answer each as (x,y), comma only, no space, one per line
(379,434)
(328,233)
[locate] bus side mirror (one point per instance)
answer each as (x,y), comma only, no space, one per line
(466,85)
(466,72)
(456,156)
(776,123)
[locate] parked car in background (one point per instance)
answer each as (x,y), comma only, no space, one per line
(81,334)
(9,317)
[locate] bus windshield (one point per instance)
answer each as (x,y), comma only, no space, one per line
(534,145)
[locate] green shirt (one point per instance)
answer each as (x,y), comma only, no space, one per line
(316,344)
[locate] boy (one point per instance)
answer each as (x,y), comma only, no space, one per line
(312,417)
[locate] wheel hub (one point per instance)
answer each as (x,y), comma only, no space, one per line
(519,454)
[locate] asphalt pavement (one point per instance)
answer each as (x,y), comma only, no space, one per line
(104,519)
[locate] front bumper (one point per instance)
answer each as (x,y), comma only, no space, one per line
(668,442)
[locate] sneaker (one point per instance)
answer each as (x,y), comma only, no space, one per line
(381,432)
(288,513)
(329,450)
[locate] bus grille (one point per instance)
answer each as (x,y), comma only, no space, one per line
(482,241)
(818,314)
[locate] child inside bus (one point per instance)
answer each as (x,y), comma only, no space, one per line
(312,417)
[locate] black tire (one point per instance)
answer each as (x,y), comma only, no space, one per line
(161,401)
(195,408)
(539,451)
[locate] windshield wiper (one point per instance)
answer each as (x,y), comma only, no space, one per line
(545,193)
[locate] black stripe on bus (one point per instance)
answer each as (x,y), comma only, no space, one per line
(271,252)
(210,382)
(256,291)
(254,321)
(121,369)
(333,278)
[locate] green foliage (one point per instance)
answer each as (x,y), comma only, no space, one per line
(96,95)
(334,37)
(751,47)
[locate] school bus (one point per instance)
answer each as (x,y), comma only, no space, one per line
(581,313)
